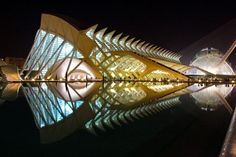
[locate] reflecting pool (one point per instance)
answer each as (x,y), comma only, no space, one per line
(115,118)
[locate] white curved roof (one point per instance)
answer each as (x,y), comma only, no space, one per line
(209,63)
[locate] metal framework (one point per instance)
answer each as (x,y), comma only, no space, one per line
(228,52)
(60,51)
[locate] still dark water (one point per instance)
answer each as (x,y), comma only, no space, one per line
(114,119)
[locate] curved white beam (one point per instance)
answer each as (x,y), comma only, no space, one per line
(108,36)
(116,39)
(143,48)
(90,31)
(153,50)
(139,46)
(99,34)
(161,51)
(156,51)
(128,43)
(147,50)
(134,44)
(122,41)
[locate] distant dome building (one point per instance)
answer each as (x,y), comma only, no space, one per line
(208,59)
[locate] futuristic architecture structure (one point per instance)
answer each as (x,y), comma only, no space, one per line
(220,38)
(61,108)
(211,97)
(212,61)
(61,51)
(59,112)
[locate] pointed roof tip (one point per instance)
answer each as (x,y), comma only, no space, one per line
(96,25)
(152,49)
(136,42)
(130,40)
(145,44)
(158,48)
(118,35)
(92,27)
(125,38)
(101,31)
(144,47)
(167,53)
(150,46)
(108,36)
(111,33)
(116,38)
(139,45)
(155,47)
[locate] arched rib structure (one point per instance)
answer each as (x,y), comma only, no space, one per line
(92,53)
(59,109)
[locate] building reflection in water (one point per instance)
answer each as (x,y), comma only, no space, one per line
(60,109)
(9,92)
(211,97)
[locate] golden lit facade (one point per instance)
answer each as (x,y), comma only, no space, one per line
(63,52)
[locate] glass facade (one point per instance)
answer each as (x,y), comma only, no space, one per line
(47,50)
(48,108)
(57,53)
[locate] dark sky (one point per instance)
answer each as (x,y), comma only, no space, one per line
(172,25)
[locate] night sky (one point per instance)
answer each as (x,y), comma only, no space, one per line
(172,25)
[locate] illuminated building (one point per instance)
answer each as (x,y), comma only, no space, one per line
(58,112)
(209,60)
(61,51)
(212,97)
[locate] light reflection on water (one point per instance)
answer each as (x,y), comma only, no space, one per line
(60,109)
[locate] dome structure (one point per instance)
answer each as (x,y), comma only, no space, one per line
(208,59)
